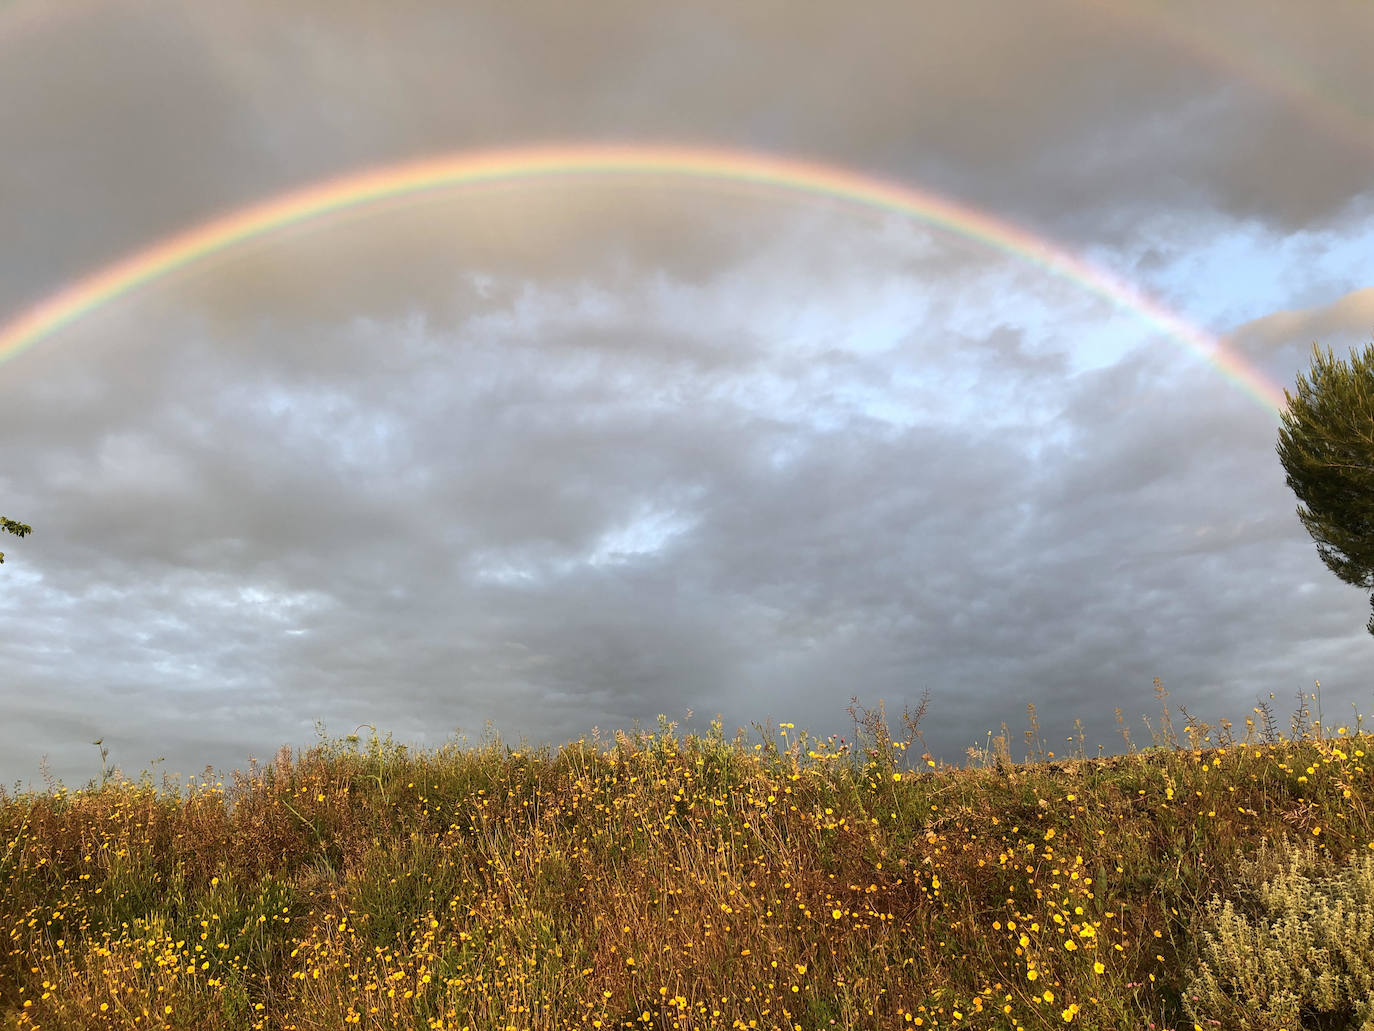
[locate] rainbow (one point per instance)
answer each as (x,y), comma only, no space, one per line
(1291,84)
(467,168)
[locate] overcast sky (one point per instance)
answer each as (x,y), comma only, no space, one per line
(575,451)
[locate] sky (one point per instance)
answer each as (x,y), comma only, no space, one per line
(975,393)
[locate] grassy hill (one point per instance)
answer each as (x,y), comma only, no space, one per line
(657,881)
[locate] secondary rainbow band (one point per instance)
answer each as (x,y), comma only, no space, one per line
(86,295)
(1293,85)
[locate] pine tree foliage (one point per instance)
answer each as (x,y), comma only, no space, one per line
(16,528)
(1326,446)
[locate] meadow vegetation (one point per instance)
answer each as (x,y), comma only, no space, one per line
(658,881)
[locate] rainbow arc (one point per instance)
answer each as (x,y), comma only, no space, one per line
(82,298)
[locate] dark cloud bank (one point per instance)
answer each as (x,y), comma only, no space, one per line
(555,458)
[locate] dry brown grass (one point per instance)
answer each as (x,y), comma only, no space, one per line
(658,881)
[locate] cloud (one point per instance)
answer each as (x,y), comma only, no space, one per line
(1347,320)
(559,454)
(1076,122)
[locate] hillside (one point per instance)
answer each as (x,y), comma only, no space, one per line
(659,881)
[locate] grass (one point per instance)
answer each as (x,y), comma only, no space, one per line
(661,881)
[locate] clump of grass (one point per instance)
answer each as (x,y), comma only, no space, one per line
(658,880)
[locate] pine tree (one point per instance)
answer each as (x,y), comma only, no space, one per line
(1326,446)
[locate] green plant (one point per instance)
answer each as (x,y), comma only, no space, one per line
(376,747)
(14,527)
(1305,959)
(104,760)
(1325,447)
